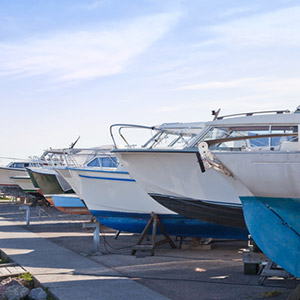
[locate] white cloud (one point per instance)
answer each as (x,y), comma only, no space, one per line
(85,54)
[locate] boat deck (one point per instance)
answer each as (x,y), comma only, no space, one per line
(58,252)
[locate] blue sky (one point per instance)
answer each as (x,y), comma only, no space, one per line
(74,67)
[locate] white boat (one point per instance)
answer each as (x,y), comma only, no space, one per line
(263,153)
(15,174)
(257,155)
(54,187)
(114,197)
(174,176)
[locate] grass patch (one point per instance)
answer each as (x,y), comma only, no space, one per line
(272,294)
(29,279)
(49,297)
(3,260)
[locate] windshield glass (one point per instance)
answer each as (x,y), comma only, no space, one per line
(239,137)
(170,140)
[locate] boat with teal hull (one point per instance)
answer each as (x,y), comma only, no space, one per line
(274,224)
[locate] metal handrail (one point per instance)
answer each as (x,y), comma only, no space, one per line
(253,113)
(122,126)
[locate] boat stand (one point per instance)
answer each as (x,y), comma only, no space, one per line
(196,243)
(272,269)
(257,263)
(154,220)
(96,235)
(26,208)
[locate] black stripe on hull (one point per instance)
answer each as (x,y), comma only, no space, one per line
(197,209)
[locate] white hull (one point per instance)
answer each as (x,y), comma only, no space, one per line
(71,178)
(14,176)
(266,174)
(178,174)
(113,191)
(49,170)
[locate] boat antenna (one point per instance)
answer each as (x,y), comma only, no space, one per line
(215,113)
(74,143)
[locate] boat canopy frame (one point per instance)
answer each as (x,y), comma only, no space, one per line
(157,137)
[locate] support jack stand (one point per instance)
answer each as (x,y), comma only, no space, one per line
(150,247)
(26,208)
(96,237)
(272,269)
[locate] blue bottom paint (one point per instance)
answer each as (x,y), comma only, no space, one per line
(63,201)
(173,224)
(274,224)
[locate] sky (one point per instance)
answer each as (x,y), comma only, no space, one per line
(72,68)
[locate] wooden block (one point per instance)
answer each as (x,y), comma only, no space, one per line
(143,247)
(192,246)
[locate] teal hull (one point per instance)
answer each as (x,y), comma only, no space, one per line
(274,224)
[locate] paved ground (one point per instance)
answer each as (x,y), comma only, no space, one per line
(58,252)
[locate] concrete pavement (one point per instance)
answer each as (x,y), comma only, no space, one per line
(67,274)
(56,250)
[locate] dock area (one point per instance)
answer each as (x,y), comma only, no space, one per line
(58,251)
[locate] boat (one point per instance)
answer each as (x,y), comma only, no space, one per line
(117,201)
(54,187)
(263,153)
(14,174)
(49,182)
(257,154)
(169,168)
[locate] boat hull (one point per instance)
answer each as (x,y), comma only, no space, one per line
(175,225)
(272,211)
(118,202)
(48,182)
(70,204)
(212,212)
(274,226)
(177,180)
(17,176)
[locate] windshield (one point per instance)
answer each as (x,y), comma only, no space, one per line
(239,137)
(171,135)
(170,140)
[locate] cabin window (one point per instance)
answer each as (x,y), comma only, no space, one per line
(105,162)
(218,137)
(94,163)
(18,165)
(109,162)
